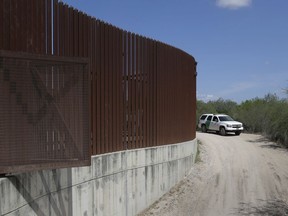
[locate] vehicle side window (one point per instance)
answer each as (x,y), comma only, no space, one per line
(203,117)
(215,119)
(209,118)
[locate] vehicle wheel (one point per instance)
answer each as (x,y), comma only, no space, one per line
(222,131)
(203,128)
(237,133)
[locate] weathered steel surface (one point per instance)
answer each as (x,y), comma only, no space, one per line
(44,112)
(143,92)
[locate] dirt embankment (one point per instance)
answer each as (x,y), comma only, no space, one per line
(237,175)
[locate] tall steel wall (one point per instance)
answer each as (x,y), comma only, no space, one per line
(143,92)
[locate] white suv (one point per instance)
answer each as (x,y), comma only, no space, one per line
(220,123)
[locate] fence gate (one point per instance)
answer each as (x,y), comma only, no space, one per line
(44,112)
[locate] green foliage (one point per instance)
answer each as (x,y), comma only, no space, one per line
(268,115)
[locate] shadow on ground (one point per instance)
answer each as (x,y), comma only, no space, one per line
(264,208)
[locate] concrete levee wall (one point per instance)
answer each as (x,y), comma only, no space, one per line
(120,183)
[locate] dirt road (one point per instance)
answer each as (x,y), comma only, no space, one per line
(234,174)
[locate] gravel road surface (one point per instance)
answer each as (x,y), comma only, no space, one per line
(236,174)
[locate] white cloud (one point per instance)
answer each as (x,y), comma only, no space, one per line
(206,97)
(233,4)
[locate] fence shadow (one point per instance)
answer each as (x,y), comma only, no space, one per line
(58,200)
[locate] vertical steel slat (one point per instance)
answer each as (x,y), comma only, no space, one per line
(110,77)
(106,81)
(105,87)
(76,33)
(135,91)
(169,102)
(80,34)
(164,102)
(133,99)
(55,27)
(66,35)
(156,93)
(149,93)
(42,26)
(98,81)
(145,84)
(49,27)
(114,91)
(116,71)
(36,30)
(19,24)
(140,92)
(153,93)
(124,92)
(71,31)
(24,25)
(128,86)
(61,29)
(102,89)
(84,35)
(2,24)
(119,90)
(30,27)
(13,21)
(6,24)
(93,118)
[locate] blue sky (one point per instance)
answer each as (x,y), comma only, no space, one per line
(241,46)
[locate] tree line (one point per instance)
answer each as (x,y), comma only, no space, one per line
(268,115)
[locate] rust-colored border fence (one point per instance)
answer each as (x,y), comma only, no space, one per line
(143,92)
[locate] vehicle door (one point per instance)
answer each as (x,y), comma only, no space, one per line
(208,121)
(214,125)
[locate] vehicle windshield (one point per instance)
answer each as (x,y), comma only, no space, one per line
(225,118)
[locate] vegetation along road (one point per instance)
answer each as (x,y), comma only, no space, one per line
(235,175)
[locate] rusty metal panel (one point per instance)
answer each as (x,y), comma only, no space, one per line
(142,90)
(36,128)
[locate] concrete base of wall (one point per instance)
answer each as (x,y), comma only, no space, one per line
(120,183)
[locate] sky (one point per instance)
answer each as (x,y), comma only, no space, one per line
(241,46)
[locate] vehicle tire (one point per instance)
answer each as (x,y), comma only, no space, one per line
(237,133)
(203,128)
(222,131)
